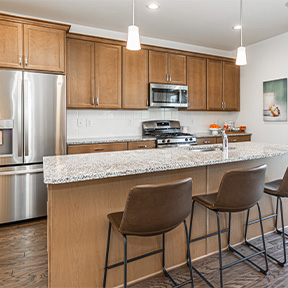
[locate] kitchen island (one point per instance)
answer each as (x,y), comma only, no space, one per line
(83,189)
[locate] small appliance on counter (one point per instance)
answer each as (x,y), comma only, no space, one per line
(168,133)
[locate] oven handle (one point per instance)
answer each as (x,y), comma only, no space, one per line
(175,145)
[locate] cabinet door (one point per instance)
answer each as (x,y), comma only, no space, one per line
(108,75)
(135,79)
(177,69)
(206,141)
(231,86)
(44,48)
(196,80)
(214,85)
(96,148)
(141,145)
(11,35)
(158,67)
(80,74)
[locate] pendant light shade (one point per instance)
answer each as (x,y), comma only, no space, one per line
(133,42)
(241,51)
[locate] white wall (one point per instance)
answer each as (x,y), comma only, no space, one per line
(267,60)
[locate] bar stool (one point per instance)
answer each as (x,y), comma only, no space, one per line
(239,190)
(152,210)
(279,189)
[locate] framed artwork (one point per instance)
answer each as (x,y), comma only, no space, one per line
(275,100)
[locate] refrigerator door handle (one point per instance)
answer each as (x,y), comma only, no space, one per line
(20,141)
(22,172)
(26,116)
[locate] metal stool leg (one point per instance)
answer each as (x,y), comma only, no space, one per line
(189,254)
(107,254)
(283,234)
(125,261)
(220,249)
(229,232)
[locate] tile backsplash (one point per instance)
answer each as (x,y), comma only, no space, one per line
(109,123)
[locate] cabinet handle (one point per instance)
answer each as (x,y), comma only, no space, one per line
(142,146)
(224,105)
(170,77)
(97,100)
(93,100)
(99,149)
(206,142)
(26,61)
(233,140)
(147,103)
(167,79)
(20,60)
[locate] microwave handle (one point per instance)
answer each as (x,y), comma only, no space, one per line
(180,95)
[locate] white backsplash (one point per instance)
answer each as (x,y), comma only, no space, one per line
(109,123)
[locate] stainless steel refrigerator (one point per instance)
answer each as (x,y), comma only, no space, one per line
(32,125)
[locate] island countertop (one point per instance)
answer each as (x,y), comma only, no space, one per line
(82,167)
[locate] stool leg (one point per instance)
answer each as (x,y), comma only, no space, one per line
(220,249)
(107,254)
(276,218)
(246,227)
(283,233)
(125,261)
(229,231)
(190,227)
(189,254)
(263,240)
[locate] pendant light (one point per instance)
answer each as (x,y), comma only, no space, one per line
(241,51)
(133,42)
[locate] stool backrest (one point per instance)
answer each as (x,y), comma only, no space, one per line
(241,189)
(283,190)
(156,209)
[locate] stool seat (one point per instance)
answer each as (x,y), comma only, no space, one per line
(206,200)
(273,187)
(115,219)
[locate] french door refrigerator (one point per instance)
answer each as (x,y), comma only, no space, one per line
(32,125)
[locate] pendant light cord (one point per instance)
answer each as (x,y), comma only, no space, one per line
(133,11)
(240,20)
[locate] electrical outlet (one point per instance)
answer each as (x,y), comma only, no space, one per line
(130,122)
(80,122)
(88,122)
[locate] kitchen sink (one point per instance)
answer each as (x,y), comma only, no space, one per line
(208,149)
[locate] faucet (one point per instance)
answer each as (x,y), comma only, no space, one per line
(225,141)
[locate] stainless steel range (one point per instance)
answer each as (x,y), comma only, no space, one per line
(167,133)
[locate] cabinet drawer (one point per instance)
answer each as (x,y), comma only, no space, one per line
(233,139)
(95,148)
(204,141)
(141,145)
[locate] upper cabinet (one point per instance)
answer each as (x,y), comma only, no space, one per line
(80,74)
(223,86)
(44,48)
(167,68)
(135,79)
(196,81)
(107,76)
(32,44)
(11,48)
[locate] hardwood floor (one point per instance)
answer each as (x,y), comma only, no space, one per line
(23,263)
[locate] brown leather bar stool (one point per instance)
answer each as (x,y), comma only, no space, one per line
(239,191)
(279,189)
(152,210)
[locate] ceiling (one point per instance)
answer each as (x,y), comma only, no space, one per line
(205,23)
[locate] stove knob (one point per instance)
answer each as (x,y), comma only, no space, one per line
(168,141)
(163,141)
(190,139)
(186,139)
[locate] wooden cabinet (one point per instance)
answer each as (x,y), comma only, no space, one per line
(196,81)
(135,79)
(141,145)
(96,148)
(11,47)
(44,48)
(108,76)
(231,86)
(167,68)
(206,141)
(80,74)
(32,44)
(223,86)
(238,138)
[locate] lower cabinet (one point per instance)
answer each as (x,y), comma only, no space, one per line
(109,147)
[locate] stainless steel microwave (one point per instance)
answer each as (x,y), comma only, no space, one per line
(168,96)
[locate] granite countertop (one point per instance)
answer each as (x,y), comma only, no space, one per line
(96,140)
(82,167)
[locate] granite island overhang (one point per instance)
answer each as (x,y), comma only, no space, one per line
(83,189)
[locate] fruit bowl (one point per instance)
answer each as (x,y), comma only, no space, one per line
(214,131)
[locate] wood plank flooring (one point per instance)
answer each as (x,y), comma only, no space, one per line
(23,263)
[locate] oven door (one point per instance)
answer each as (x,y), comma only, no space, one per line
(171,96)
